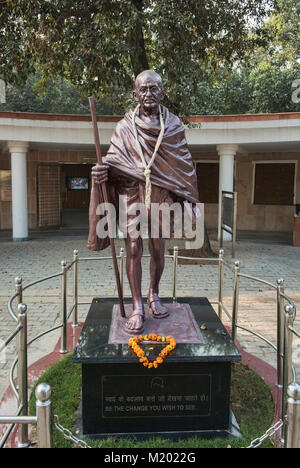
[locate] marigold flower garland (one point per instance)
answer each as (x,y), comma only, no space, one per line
(133,343)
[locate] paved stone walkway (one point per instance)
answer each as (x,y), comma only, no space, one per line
(41,257)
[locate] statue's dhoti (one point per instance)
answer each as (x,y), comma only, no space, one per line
(131,195)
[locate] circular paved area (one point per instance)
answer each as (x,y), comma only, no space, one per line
(41,257)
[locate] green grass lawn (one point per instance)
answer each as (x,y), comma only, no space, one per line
(251,402)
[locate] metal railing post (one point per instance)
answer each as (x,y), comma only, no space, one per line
(75,289)
(122,269)
(235,305)
(220,229)
(220,283)
(43,414)
(288,363)
(293,416)
(175,266)
(64,313)
(280,331)
(234,227)
(23,441)
(19,289)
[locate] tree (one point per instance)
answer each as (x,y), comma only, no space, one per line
(101,46)
(273,68)
(60,97)
(262,85)
(271,86)
(283,27)
(262,81)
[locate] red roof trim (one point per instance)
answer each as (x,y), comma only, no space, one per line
(116,118)
(243,117)
(58,117)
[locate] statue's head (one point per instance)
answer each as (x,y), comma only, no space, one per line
(149,91)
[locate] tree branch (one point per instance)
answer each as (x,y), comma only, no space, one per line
(138,55)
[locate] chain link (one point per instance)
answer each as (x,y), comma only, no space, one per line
(268,434)
(68,435)
(81,444)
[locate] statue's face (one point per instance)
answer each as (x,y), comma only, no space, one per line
(149,92)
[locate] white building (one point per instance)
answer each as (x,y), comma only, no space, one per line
(43,155)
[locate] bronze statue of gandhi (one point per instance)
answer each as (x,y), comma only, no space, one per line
(149,162)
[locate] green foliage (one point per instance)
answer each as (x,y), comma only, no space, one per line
(58,97)
(272,88)
(228,94)
(211,60)
(274,67)
(100,46)
(262,81)
(262,87)
(283,28)
(65,381)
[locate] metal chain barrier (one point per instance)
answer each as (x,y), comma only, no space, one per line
(286,316)
(267,435)
(68,435)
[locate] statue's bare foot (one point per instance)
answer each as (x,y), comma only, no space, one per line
(135,323)
(158,310)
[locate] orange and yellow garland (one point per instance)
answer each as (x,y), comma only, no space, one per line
(133,343)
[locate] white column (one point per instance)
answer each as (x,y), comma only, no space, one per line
(18,151)
(226,178)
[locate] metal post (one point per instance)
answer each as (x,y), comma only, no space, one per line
(221,239)
(280,331)
(175,266)
(234,227)
(122,269)
(64,314)
(235,305)
(19,289)
(23,441)
(75,289)
(293,418)
(288,363)
(43,413)
(220,283)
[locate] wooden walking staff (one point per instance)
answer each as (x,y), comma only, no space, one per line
(105,196)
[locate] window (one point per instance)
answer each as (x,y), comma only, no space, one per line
(208,181)
(5,186)
(274,183)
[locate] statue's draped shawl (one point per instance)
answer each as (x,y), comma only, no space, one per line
(172,169)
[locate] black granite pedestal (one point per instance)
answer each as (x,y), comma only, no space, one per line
(189,394)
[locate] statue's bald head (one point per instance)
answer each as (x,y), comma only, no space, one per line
(149,74)
(149,92)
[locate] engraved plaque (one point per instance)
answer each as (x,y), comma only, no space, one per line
(165,396)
